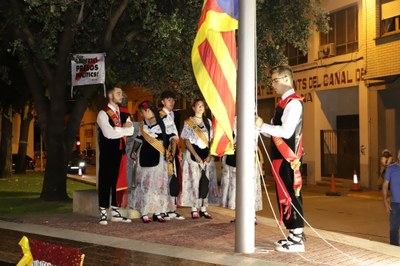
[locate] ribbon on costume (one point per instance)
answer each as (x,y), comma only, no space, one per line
(197,130)
(293,159)
(155,143)
(27,257)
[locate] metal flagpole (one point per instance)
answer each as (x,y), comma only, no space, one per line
(245,211)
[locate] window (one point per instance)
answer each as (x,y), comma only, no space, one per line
(390,17)
(343,31)
(295,56)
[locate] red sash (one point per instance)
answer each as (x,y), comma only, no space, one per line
(294,160)
(122,182)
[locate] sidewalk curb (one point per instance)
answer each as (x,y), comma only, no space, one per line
(82,179)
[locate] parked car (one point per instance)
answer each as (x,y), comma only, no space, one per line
(76,163)
(30,162)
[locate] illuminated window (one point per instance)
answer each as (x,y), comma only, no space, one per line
(343,31)
(295,56)
(390,17)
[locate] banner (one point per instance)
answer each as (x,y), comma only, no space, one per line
(87,69)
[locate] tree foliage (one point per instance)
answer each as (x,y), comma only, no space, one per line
(147,42)
(282,22)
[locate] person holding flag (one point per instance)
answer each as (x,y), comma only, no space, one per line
(287,151)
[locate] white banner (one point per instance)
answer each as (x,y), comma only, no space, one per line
(87,69)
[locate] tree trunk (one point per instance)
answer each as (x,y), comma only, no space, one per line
(5,143)
(55,178)
(26,118)
(61,136)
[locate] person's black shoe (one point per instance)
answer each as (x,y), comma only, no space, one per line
(205,214)
(158,218)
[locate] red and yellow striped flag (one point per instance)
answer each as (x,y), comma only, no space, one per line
(214,66)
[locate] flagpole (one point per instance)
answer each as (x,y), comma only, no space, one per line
(245,198)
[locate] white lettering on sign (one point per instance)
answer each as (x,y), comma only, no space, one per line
(305,85)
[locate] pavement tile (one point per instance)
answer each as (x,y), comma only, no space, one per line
(216,236)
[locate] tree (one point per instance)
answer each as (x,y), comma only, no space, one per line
(14,93)
(130,32)
(147,42)
(17,101)
(5,143)
(26,115)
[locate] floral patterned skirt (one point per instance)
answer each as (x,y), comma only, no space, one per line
(151,192)
(191,173)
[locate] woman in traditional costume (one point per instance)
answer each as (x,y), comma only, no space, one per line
(150,150)
(197,135)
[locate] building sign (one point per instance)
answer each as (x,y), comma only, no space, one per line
(330,80)
(87,69)
(308,81)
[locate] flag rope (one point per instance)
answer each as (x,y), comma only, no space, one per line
(294,207)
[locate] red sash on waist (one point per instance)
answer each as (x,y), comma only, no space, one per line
(293,159)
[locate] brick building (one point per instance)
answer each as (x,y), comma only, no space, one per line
(350,81)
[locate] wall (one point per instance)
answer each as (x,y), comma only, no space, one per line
(382,53)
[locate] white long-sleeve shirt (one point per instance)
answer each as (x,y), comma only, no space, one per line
(109,131)
(290,118)
(170,123)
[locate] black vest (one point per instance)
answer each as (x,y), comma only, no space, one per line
(293,141)
(111,146)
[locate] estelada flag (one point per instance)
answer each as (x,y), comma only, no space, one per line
(214,66)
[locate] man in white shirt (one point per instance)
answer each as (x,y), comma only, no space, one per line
(113,126)
(286,132)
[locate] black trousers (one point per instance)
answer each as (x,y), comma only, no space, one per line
(295,220)
(108,177)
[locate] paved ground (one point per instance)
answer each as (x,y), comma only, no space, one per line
(200,242)
(360,214)
(188,242)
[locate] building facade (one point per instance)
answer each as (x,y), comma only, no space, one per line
(351,87)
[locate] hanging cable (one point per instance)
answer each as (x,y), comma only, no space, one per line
(295,209)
